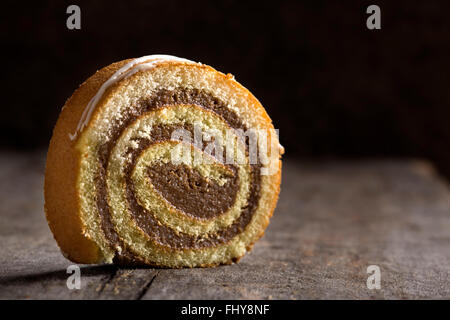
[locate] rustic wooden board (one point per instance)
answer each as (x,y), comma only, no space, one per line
(333,220)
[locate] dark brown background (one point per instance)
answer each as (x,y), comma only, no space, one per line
(332,87)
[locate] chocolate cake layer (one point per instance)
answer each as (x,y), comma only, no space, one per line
(187,190)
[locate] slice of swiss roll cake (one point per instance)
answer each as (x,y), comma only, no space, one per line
(161,161)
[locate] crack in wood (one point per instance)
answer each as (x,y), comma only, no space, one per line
(146,287)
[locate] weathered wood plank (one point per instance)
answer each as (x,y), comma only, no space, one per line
(333,220)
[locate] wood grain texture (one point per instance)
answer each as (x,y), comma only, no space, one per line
(333,220)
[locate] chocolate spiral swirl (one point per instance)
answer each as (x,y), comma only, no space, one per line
(179,187)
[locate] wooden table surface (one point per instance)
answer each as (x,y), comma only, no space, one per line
(333,220)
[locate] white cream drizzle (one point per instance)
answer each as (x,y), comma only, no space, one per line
(136,65)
